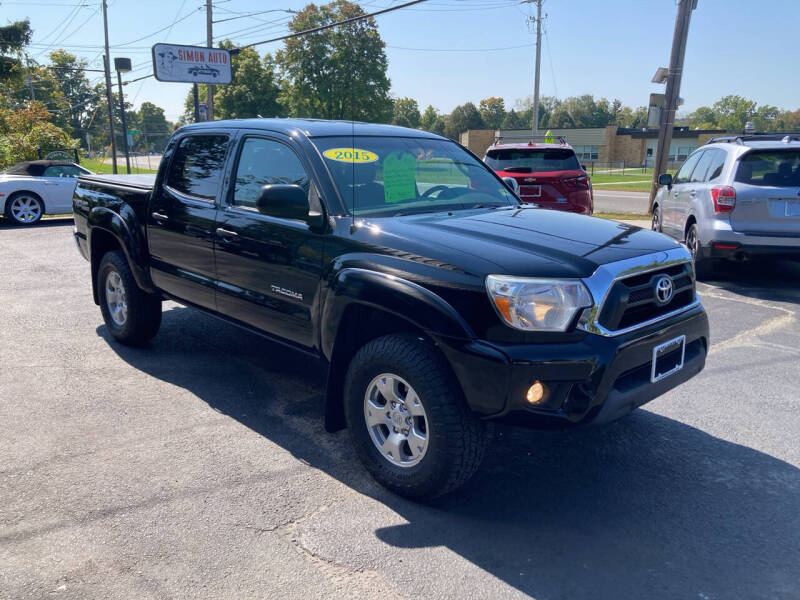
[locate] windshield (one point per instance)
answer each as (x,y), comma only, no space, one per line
(774,168)
(532,160)
(385,176)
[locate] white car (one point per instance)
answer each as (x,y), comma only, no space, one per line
(29,190)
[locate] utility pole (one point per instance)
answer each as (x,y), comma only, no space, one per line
(109,94)
(210,44)
(535,126)
(672,92)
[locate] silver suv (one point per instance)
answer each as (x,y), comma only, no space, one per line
(734,198)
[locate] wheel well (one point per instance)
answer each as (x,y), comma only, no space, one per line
(689,222)
(102,242)
(359,325)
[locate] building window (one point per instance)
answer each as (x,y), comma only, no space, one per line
(681,153)
(587,152)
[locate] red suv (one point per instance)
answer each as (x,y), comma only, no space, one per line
(548,174)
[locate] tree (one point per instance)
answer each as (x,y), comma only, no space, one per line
(704,118)
(634,119)
(339,73)
(13,39)
(733,112)
(429,117)
(25,131)
(81,101)
(513,121)
(493,112)
(788,121)
(462,118)
(154,126)
(438,126)
(406,113)
(254,89)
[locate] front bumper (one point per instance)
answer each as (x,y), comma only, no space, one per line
(595,380)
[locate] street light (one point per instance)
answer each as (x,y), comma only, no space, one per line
(123,65)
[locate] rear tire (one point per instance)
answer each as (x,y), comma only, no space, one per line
(132,316)
(703,267)
(448,440)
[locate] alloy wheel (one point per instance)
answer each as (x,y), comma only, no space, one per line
(116,298)
(396,420)
(26,209)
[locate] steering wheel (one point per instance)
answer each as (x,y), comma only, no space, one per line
(433,190)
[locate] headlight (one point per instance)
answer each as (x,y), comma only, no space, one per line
(533,304)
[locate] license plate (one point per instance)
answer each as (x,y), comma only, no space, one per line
(534,191)
(793,208)
(668,358)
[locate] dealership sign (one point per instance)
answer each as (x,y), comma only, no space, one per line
(191,64)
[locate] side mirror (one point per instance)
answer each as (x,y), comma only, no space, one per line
(584,168)
(284,201)
(665,179)
(512,184)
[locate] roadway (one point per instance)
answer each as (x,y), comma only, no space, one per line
(198,467)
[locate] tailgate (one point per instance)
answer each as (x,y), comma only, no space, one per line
(763,210)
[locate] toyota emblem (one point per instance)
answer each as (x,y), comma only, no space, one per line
(664,289)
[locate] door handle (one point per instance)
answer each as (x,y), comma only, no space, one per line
(159,216)
(693,193)
(674,194)
(225,234)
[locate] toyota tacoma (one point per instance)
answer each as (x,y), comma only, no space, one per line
(435,298)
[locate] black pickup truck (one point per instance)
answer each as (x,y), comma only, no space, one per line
(435,299)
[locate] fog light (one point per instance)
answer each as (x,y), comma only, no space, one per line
(536,393)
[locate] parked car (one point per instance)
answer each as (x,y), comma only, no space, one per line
(735,198)
(548,174)
(30,190)
(435,299)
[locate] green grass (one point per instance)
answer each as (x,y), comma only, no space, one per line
(95,166)
(634,180)
(622,216)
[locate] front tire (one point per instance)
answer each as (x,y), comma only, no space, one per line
(655,224)
(408,420)
(25,208)
(132,316)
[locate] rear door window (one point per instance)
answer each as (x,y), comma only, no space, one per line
(197,166)
(716,164)
(770,168)
(699,172)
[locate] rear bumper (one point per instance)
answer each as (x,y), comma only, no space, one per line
(596,380)
(720,240)
(580,202)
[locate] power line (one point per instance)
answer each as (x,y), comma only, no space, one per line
(330,25)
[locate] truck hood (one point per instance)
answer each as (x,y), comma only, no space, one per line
(527,241)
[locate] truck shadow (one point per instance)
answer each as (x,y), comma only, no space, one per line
(646,507)
(764,279)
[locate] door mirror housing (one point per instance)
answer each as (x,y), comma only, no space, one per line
(512,184)
(283,201)
(665,179)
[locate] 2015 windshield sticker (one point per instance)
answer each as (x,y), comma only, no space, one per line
(350,155)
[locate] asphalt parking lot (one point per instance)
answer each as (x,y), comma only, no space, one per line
(199,467)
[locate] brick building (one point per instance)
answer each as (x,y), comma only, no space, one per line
(603,145)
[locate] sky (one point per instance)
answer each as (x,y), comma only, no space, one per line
(447,52)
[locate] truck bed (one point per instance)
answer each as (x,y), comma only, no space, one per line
(144,181)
